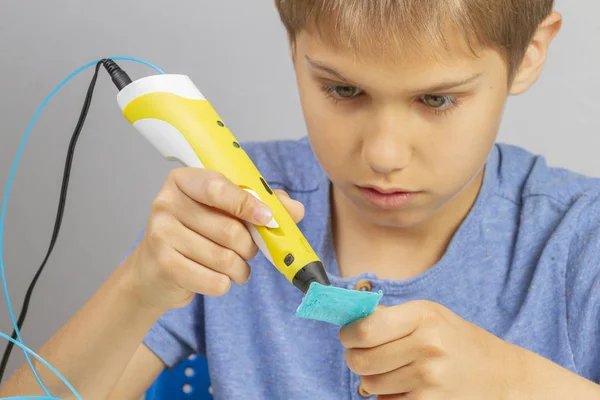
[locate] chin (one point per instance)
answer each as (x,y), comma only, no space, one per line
(394,218)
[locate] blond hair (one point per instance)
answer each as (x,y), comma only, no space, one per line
(369,25)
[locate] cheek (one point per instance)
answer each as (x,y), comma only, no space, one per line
(463,146)
(333,134)
(333,149)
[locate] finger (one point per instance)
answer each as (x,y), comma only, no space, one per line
(203,251)
(384,358)
(383,326)
(294,207)
(222,229)
(213,189)
(400,381)
(197,278)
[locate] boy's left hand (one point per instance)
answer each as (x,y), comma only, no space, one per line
(423,349)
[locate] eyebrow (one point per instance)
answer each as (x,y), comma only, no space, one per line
(322,67)
(452,84)
(435,88)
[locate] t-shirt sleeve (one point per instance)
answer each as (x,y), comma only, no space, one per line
(179,332)
(583,293)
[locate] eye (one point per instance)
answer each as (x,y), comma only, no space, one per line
(342,91)
(438,102)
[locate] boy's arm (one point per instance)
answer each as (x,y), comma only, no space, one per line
(141,372)
(94,348)
(195,244)
(540,378)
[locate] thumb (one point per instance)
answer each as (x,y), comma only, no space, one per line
(294,207)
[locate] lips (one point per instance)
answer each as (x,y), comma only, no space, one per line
(386,191)
(387,198)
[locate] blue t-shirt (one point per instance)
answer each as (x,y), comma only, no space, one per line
(524,265)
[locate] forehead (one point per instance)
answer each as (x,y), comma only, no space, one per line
(388,60)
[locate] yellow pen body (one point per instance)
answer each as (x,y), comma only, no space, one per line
(175,117)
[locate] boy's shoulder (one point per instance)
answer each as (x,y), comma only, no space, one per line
(523,176)
(289,164)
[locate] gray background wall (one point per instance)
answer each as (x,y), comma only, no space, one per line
(236,52)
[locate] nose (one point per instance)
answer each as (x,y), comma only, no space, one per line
(386,146)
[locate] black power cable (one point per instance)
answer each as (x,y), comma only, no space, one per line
(59,215)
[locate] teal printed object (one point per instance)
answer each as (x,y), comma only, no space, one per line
(336,305)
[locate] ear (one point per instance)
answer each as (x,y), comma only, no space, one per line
(536,54)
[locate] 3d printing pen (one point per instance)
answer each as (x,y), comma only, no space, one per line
(174,116)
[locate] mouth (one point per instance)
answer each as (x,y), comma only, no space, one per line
(387,198)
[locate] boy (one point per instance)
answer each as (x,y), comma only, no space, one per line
(486,257)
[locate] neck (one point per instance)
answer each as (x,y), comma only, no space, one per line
(393,252)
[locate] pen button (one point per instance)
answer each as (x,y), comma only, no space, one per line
(267,188)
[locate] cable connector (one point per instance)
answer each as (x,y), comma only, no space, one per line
(118,76)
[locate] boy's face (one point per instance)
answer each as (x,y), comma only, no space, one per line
(418,129)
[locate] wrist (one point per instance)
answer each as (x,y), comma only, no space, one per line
(134,290)
(515,372)
(532,376)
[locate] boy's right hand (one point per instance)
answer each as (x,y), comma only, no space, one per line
(196,241)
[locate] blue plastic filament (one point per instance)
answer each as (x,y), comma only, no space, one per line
(19,342)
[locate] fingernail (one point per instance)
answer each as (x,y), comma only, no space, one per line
(263,215)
